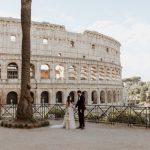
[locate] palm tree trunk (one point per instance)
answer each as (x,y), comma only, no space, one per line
(24,109)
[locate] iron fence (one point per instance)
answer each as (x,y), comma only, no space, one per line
(130,115)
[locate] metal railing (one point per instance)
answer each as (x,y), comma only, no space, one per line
(130,115)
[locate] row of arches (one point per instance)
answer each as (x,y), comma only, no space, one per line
(105,97)
(96,73)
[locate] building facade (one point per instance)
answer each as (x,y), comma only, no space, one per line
(62,62)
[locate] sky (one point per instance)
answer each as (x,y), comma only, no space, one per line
(127,21)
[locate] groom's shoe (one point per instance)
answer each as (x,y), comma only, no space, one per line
(78,127)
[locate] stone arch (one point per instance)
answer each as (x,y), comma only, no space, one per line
(12,98)
(93,73)
(85,94)
(45,97)
(109,96)
(72,72)
(59,72)
(84,73)
(94,97)
(32,71)
(12,71)
(59,97)
(45,71)
(102,97)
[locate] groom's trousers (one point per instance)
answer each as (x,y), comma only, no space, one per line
(81,118)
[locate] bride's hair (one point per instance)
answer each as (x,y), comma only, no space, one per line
(69,100)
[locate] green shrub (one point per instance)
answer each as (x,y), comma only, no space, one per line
(127,118)
(59,113)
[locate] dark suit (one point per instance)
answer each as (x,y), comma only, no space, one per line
(81,107)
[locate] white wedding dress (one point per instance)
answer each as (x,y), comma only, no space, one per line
(69,121)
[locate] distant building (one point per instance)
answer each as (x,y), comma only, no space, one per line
(62,62)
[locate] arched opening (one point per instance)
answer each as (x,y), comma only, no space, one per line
(44,97)
(113,74)
(85,94)
(0,71)
(32,71)
(101,73)
(84,73)
(59,72)
(12,98)
(94,97)
(32,95)
(72,72)
(114,96)
(12,71)
(102,97)
(108,73)
(93,73)
(45,71)
(109,96)
(59,97)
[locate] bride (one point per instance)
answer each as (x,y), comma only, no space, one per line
(69,121)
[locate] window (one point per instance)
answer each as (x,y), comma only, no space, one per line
(45,41)
(93,46)
(12,38)
(72,43)
(59,54)
(72,72)
(59,72)
(12,71)
(45,71)
(107,49)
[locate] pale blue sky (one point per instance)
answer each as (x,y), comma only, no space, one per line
(128,21)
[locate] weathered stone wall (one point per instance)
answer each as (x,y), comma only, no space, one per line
(88,61)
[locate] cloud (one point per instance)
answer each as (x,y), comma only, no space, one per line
(135,39)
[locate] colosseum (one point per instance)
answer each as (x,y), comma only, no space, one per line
(62,62)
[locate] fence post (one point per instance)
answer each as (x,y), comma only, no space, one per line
(129,117)
(148,117)
(113,120)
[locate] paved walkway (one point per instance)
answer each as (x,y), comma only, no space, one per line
(94,137)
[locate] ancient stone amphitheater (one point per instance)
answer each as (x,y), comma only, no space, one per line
(62,62)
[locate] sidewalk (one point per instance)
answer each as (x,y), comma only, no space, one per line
(94,137)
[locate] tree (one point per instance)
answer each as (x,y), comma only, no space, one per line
(143,94)
(24,109)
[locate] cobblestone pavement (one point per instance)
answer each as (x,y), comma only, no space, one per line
(94,137)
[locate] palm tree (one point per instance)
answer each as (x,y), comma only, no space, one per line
(24,109)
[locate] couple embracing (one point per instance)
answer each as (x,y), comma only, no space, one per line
(69,120)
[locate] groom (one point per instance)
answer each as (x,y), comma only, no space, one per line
(81,107)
